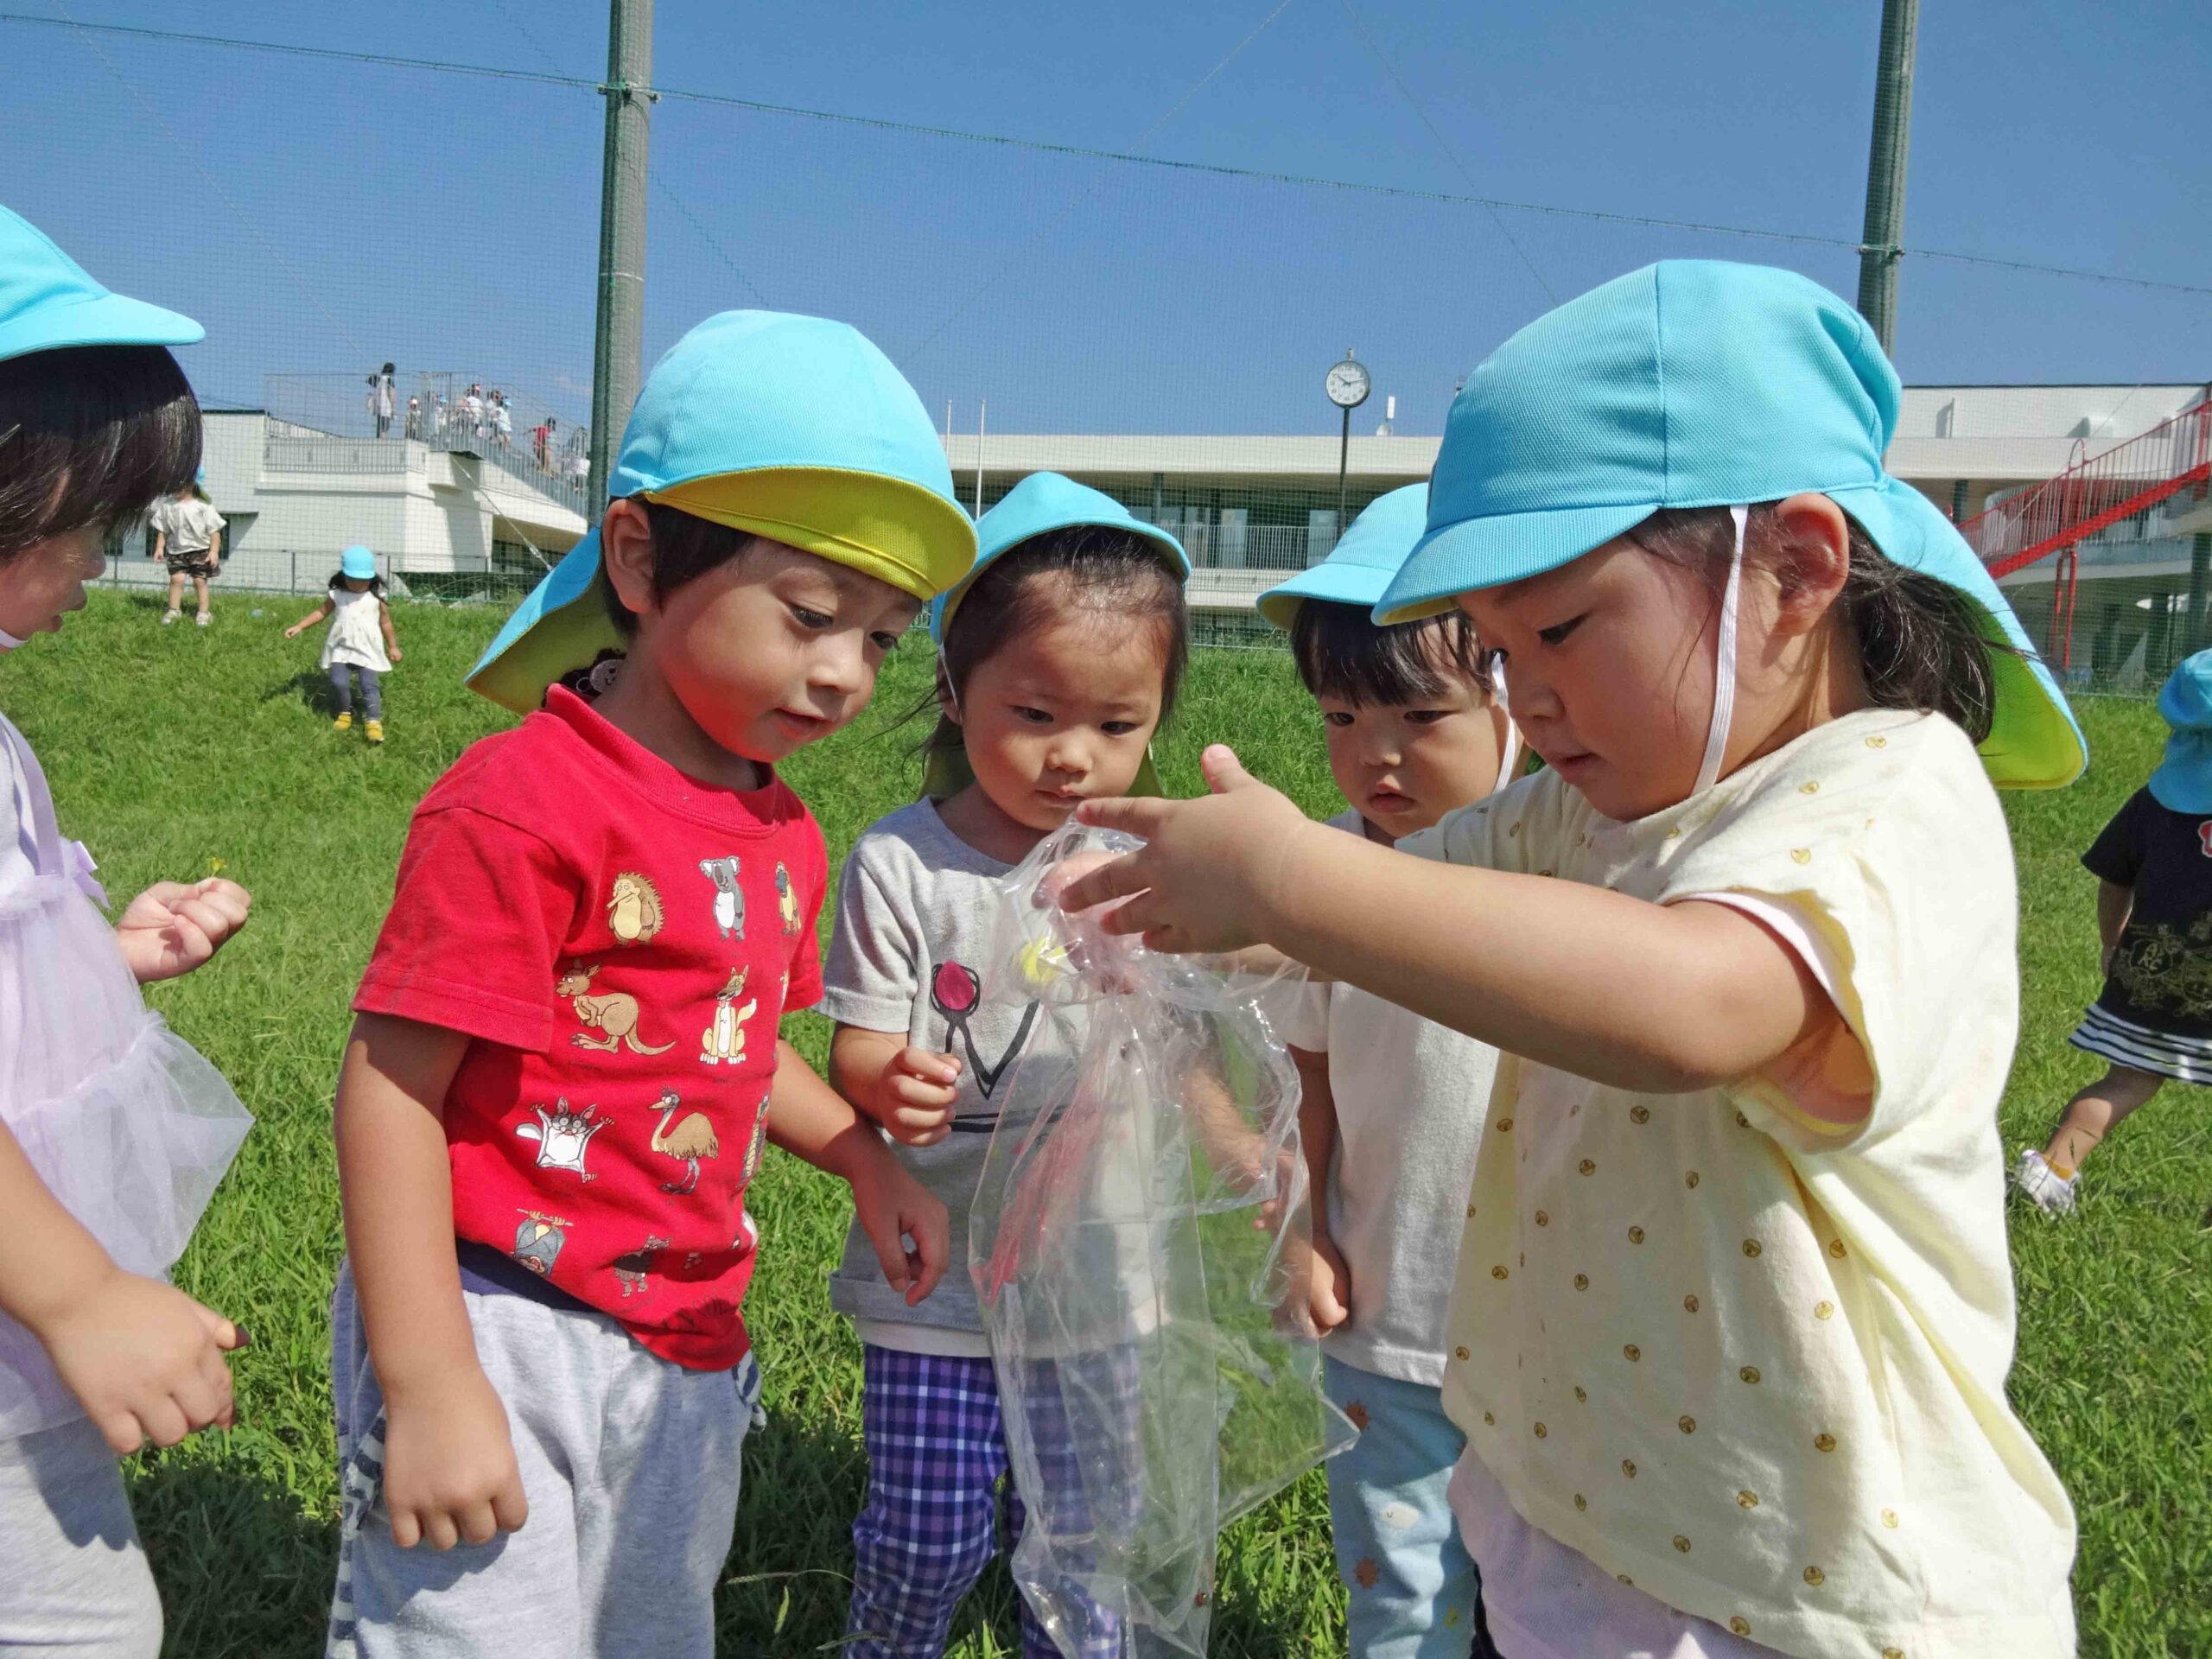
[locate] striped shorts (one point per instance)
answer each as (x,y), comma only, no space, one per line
(2163,1053)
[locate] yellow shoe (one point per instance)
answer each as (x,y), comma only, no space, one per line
(344,723)
(375,729)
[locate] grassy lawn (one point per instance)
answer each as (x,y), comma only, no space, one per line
(176,752)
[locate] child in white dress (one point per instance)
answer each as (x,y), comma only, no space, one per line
(113,1132)
(361,641)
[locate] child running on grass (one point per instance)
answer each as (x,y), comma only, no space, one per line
(1392,1110)
(2153,865)
(113,1132)
(1733,1309)
(566,1062)
(1060,656)
(361,641)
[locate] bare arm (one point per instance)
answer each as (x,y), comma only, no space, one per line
(390,633)
(1329,1296)
(143,1359)
(1664,999)
(308,622)
(450,1470)
(908,1091)
(2115,904)
(808,1118)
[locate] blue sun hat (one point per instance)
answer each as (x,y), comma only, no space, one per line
(1359,568)
(47,302)
(1703,384)
(796,429)
(357,562)
(2183,782)
(1042,502)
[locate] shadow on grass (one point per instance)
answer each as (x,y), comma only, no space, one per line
(311,686)
(243,1568)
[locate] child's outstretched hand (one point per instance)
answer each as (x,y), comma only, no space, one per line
(143,1359)
(173,927)
(450,1471)
(1207,866)
(914,1097)
(894,1208)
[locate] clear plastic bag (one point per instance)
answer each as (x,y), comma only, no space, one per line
(1140,1240)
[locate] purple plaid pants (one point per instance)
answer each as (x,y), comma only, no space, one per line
(936,1454)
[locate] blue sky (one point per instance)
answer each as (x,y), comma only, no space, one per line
(320,217)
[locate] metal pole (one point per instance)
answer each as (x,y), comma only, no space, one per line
(982,409)
(1344,456)
(1880,250)
(618,343)
(2200,567)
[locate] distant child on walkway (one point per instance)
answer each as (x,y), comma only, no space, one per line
(2153,865)
(1733,1310)
(188,539)
(1393,1107)
(113,1132)
(566,1063)
(1059,658)
(361,641)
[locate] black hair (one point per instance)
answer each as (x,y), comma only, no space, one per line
(1920,641)
(1342,653)
(1093,571)
(90,436)
(685,548)
(337,580)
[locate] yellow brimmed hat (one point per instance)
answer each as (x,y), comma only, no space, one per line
(792,428)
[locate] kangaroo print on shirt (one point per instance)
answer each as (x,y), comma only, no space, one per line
(615,1013)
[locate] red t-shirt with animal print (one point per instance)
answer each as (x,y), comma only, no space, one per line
(618,940)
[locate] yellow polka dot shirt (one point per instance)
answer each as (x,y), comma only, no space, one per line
(1750,1363)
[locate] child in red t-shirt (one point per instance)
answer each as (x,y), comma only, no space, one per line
(565,1062)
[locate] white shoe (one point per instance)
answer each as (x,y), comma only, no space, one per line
(169,617)
(204,619)
(2043,1187)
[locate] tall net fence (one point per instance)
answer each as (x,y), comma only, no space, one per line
(1160,330)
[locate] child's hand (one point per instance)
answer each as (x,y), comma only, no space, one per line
(894,1207)
(1328,1292)
(143,1359)
(396,654)
(449,1470)
(172,928)
(1201,881)
(914,1097)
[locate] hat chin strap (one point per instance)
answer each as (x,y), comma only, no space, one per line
(1723,667)
(1511,753)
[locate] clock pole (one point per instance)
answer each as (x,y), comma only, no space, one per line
(1343,456)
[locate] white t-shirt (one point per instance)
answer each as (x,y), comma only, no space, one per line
(1410,1097)
(189,523)
(1750,1363)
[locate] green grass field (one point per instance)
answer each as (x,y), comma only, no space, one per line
(175,752)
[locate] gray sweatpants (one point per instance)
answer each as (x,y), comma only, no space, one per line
(629,1465)
(72,1576)
(341,690)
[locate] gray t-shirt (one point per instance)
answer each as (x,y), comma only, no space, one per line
(1411,1097)
(911,958)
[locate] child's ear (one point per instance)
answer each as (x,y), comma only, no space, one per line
(1815,541)
(626,552)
